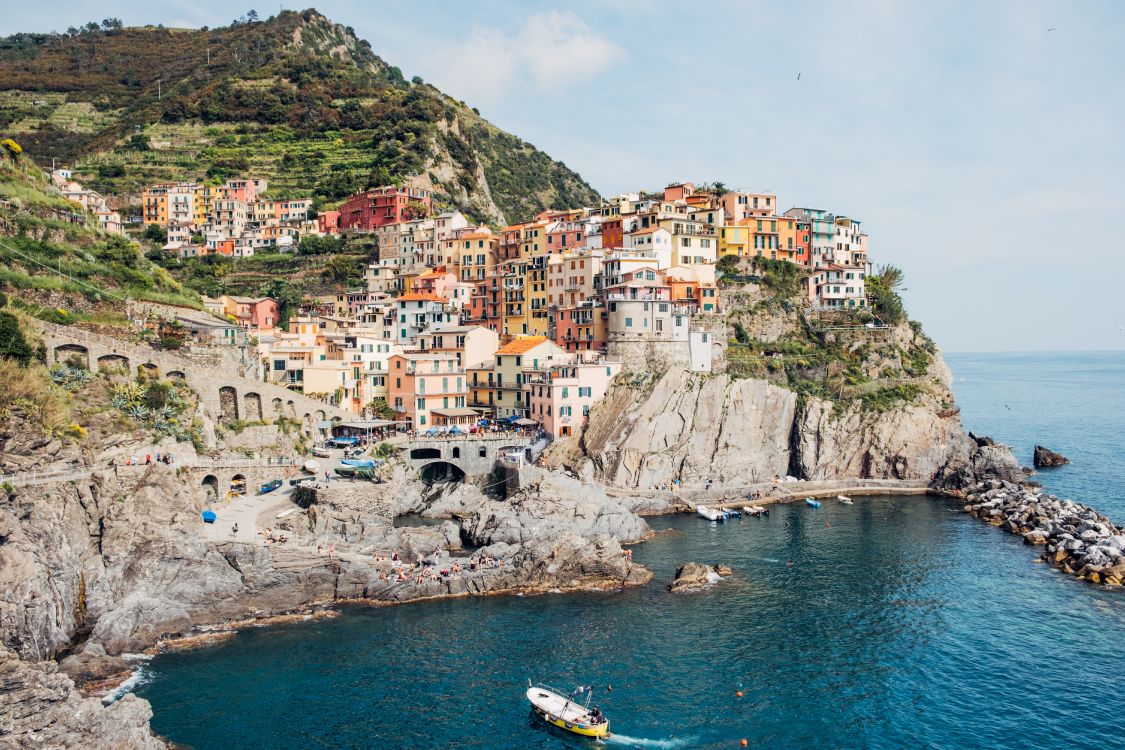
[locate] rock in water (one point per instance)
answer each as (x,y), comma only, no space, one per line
(1047,457)
(693,576)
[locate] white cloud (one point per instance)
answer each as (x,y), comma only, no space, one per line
(551,49)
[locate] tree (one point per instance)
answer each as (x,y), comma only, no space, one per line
(892,276)
(340,269)
(156,233)
(251,16)
(13,344)
(729,264)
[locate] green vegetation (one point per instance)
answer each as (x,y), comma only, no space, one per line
(883,288)
(783,280)
(890,397)
(295,99)
(381,409)
(13,343)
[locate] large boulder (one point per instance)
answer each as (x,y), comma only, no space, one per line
(1043,457)
(693,576)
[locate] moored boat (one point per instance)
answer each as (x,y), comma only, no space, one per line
(845,499)
(270,486)
(812,503)
(358,462)
(566,712)
(757,511)
(711,514)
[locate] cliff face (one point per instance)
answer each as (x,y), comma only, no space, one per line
(737,431)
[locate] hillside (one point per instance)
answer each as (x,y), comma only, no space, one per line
(296,98)
(57,268)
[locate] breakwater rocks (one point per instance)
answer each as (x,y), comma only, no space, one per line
(1078,539)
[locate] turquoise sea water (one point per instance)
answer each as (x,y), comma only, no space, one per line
(900,623)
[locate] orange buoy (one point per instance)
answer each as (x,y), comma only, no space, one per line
(739,693)
(744,743)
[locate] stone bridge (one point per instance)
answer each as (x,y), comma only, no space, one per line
(458,457)
(225,393)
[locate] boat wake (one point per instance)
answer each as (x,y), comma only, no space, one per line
(620,739)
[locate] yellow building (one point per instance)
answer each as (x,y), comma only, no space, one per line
(500,389)
(538,298)
(515,313)
(476,255)
(752,237)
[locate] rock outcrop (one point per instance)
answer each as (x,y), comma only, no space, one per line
(1044,457)
(693,576)
(41,708)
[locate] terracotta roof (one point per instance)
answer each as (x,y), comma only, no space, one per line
(649,230)
(417,297)
(521,345)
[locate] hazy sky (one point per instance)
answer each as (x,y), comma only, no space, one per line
(978,147)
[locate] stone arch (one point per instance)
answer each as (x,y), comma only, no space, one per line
(68,352)
(228,404)
(177,375)
(277,406)
(113,362)
(482,451)
(320,415)
(424,453)
(456,453)
(252,406)
(438,472)
(210,483)
(238,484)
(150,369)
(291,409)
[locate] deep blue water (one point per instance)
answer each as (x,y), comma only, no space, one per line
(901,623)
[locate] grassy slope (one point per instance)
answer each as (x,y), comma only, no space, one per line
(296,99)
(67,272)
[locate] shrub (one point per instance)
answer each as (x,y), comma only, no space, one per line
(13,344)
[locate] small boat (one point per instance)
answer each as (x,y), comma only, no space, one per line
(756,511)
(208,516)
(321,452)
(812,503)
(565,712)
(845,500)
(732,513)
(357,462)
(711,514)
(358,472)
(297,480)
(270,486)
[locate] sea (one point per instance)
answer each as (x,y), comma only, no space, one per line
(897,622)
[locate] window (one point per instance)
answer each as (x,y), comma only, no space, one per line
(586,410)
(421,403)
(565,392)
(628,322)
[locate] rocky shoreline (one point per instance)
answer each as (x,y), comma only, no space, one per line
(1079,540)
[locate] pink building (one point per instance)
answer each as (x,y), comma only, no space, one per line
(560,397)
(252,313)
(429,389)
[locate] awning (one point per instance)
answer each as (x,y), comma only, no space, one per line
(525,422)
(367,424)
(463,412)
(344,440)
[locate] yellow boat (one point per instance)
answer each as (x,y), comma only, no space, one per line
(565,712)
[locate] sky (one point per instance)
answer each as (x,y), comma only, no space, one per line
(980,143)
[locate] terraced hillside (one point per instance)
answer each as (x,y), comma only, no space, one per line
(297,99)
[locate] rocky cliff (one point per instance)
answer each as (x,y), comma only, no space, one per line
(882,410)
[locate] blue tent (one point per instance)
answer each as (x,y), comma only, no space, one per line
(209,516)
(454,430)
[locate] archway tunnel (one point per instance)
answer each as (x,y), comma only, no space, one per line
(439,472)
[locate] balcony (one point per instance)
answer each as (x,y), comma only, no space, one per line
(637,298)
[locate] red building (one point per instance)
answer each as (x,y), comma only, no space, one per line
(581,328)
(369,210)
(613,234)
(328,222)
(486,305)
(804,243)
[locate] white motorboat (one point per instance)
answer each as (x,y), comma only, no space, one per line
(711,514)
(844,499)
(568,712)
